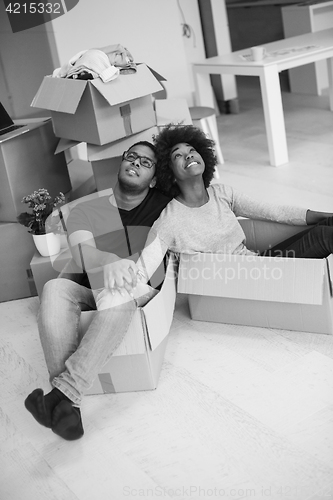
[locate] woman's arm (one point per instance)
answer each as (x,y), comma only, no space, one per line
(313,217)
(245,206)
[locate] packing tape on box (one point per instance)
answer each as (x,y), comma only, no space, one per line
(125,112)
(106,383)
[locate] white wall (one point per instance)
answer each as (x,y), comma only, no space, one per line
(150,29)
(194,44)
(25,58)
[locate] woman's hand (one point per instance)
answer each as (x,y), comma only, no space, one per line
(120,275)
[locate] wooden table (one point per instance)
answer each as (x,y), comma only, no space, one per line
(281,55)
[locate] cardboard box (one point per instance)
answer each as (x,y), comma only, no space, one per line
(96,112)
(287,293)
(105,160)
(136,364)
(27,163)
(172,111)
(166,111)
(16,249)
(82,178)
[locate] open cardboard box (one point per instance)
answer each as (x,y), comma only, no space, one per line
(287,293)
(96,112)
(136,364)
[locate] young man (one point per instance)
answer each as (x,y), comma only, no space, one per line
(106,236)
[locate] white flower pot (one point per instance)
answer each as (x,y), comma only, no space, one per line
(47,244)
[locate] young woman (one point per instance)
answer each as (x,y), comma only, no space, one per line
(202,217)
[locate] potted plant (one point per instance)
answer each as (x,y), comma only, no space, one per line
(43,221)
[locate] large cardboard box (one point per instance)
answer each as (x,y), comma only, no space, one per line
(172,111)
(16,249)
(96,112)
(287,293)
(136,364)
(27,163)
(167,111)
(82,178)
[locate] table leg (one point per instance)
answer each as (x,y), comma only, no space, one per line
(274,119)
(203,90)
(330,81)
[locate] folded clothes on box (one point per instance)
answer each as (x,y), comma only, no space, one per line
(105,63)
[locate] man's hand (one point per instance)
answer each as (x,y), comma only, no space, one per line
(120,275)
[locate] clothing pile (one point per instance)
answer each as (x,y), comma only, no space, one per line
(105,63)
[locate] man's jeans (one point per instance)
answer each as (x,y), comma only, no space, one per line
(316,242)
(74,363)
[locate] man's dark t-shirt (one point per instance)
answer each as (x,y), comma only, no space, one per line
(118,231)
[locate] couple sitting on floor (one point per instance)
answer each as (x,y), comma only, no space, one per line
(163,200)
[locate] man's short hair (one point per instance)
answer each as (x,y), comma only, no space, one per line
(144,143)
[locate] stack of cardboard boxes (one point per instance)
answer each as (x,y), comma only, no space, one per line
(27,163)
(109,118)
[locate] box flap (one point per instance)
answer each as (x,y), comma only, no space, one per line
(117,148)
(330,272)
(254,278)
(65,144)
(159,77)
(159,311)
(59,94)
(172,111)
(128,87)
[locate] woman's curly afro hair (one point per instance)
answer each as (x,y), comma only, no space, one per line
(164,142)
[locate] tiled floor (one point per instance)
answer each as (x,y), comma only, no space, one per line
(239,412)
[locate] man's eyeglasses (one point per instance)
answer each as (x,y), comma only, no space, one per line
(144,160)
